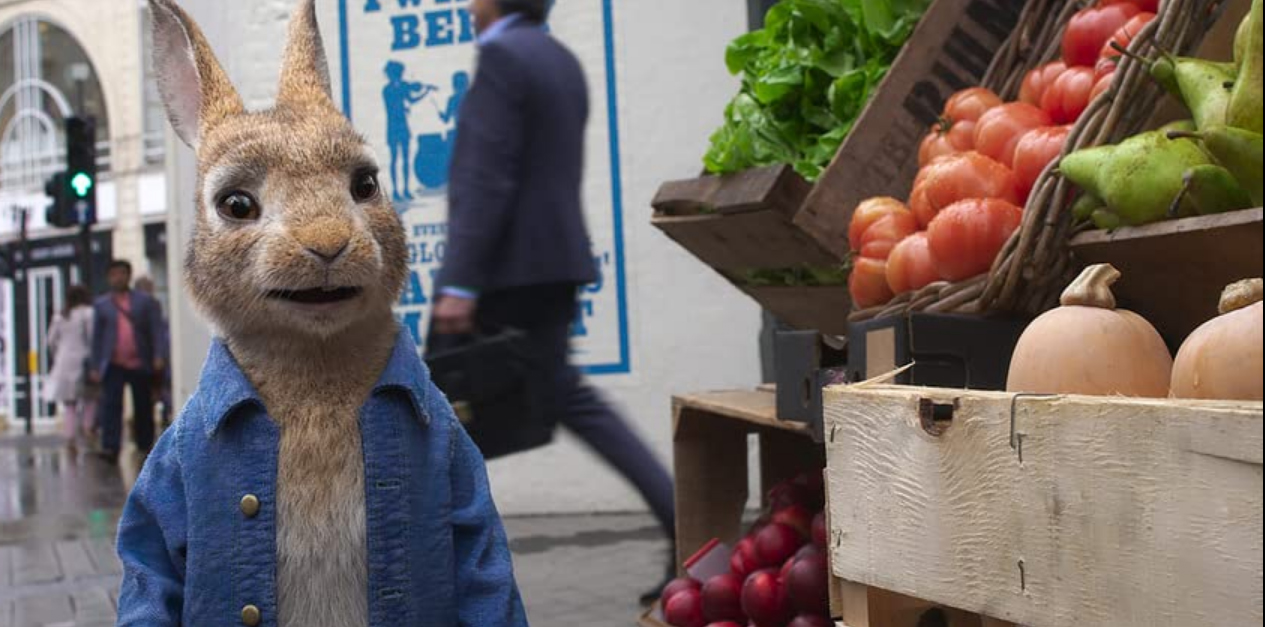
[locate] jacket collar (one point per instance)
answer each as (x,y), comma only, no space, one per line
(223,389)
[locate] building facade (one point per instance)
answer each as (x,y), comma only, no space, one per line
(62,58)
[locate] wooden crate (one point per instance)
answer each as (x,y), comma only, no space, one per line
(1174,271)
(771,219)
(711,453)
(951,49)
(1047,511)
(742,223)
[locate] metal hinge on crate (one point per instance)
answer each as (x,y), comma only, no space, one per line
(806,362)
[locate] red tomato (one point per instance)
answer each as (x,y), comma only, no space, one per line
(882,236)
(970,104)
(869,212)
(1146,5)
(1036,149)
(940,142)
(1068,97)
(960,177)
(1103,84)
(1039,80)
(911,266)
(1000,129)
(1089,29)
(1125,35)
(966,238)
(868,283)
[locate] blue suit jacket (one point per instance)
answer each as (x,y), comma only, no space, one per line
(147,324)
(515,214)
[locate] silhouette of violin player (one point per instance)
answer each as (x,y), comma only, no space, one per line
(460,85)
(398,96)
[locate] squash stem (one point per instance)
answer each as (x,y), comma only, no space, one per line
(1242,295)
(1093,288)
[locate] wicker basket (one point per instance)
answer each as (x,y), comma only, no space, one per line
(1036,264)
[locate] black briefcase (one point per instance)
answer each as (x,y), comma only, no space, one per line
(488,380)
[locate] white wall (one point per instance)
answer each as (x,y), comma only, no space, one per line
(689,329)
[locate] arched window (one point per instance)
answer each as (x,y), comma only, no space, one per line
(45,77)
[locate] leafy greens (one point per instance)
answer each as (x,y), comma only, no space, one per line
(806,76)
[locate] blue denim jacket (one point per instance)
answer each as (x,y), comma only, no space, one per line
(438,555)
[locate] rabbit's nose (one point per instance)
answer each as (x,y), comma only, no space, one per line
(326,240)
(329,254)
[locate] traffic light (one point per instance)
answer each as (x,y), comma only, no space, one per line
(60,213)
(81,168)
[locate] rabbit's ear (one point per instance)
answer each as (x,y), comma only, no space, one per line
(305,72)
(194,86)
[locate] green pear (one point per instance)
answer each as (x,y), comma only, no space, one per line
(1239,151)
(1139,179)
(1086,206)
(1207,190)
(1245,109)
(1206,88)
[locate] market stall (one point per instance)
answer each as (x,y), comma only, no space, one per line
(1043,220)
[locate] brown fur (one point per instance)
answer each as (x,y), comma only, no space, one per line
(313,370)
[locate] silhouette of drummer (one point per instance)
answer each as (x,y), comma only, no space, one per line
(460,85)
(398,96)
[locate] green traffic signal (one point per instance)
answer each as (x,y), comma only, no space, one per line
(82,183)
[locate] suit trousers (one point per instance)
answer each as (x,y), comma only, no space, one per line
(116,379)
(545,314)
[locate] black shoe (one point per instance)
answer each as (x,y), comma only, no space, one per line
(653,595)
(109,457)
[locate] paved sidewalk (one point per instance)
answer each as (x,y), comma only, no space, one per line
(58,568)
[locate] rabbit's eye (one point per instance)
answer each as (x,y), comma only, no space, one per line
(364,187)
(239,206)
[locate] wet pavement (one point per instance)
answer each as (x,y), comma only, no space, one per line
(58,514)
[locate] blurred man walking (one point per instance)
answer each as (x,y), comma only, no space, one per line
(518,249)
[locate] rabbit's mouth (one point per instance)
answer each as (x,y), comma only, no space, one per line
(317,296)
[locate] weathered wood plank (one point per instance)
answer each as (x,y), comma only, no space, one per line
(1174,271)
(1107,512)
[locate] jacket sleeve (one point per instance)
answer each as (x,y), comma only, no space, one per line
(486,167)
(487,594)
(152,541)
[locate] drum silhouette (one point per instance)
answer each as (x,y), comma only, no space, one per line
(434,154)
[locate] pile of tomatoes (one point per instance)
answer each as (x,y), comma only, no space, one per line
(981,161)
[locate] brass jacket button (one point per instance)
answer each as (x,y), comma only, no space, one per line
(251,616)
(250,505)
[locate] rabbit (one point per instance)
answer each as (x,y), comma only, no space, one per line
(296,259)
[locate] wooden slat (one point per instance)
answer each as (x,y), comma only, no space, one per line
(745,241)
(710,457)
(774,188)
(823,309)
(757,407)
(1174,271)
(1121,513)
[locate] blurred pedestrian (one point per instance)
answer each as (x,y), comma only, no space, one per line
(518,249)
(70,344)
(162,376)
(127,348)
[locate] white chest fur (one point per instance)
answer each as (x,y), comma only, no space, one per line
(322,578)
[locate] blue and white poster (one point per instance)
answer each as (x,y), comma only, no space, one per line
(406,65)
